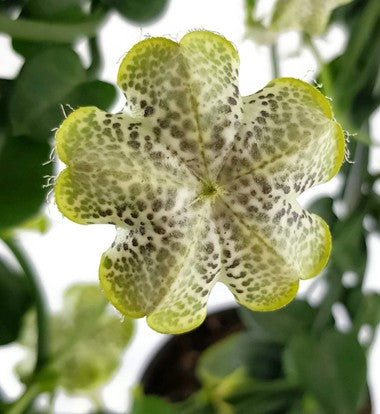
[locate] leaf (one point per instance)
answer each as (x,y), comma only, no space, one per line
(97,93)
(370,310)
(5,89)
(260,360)
(276,403)
(43,85)
(21,179)
(67,11)
(139,11)
(349,243)
(15,300)
(279,325)
(144,404)
(331,368)
(364,41)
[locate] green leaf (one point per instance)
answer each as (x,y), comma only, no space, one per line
(331,368)
(349,243)
(67,11)
(96,93)
(370,310)
(260,360)
(281,324)
(364,41)
(15,300)
(43,85)
(87,342)
(21,179)
(144,404)
(264,404)
(306,405)
(139,11)
(5,89)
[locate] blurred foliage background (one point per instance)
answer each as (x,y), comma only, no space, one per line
(295,360)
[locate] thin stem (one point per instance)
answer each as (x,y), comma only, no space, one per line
(96,61)
(274,61)
(352,189)
(42,318)
(38,31)
(357,175)
(18,407)
(93,45)
(249,9)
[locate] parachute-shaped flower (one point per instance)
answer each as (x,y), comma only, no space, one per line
(200,182)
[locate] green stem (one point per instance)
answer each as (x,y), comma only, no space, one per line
(249,9)
(42,318)
(357,175)
(274,61)
(38,31)
(95,65)
(19,407)
(352,192)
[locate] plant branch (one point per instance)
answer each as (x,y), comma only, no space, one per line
(274,61)
(352,191)
(20,406)
(96,61)
(42,317)
(38,31)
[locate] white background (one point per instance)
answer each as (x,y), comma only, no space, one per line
(69,253)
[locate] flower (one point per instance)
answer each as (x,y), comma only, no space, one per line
(310,16)
(87,343)
(200,182)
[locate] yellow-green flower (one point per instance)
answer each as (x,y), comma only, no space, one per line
(87,343)
(201,183)
(310,16)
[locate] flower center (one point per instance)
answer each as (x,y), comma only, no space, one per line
(211,190)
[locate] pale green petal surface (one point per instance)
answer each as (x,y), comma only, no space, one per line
(189,93)
(200,183)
